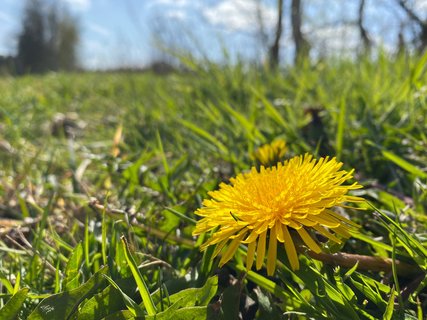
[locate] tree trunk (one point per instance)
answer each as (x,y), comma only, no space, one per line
(422,24)
(302,47)
(275,48)
(401,46)
(366,41)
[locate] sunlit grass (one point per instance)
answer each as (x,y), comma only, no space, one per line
(89,159)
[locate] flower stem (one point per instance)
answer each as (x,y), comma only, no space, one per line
(370,263)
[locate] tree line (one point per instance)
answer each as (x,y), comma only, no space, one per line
(47,41)
(49,35)
(302,46)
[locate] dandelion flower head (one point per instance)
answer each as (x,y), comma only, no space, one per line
(271,153)
(268,207)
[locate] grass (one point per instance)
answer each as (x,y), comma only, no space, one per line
(100,176)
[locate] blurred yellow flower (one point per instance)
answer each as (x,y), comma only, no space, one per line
(270,154)
(261,208)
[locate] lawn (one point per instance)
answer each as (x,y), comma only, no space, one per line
(101,175)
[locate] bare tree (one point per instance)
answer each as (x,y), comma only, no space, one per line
(31,41)
(302,46)
(366,41)
(422,24)
(67,43)
(274,51)
(401,45)
(48,39)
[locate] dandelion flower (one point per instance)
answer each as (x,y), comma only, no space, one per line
(269,154)
(266,207)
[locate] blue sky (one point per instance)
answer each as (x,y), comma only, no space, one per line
(121,33)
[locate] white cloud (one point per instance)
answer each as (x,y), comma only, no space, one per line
(78,5)
(176,3)
(342,39)
(99,29)
(420,5)
(335,39)
(176,14)
(111,53)
(172,9)
(94,55)
(175,9)
(239,15)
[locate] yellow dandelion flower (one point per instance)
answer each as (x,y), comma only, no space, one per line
(262,208)
(270,154)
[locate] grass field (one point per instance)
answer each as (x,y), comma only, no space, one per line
(101,173)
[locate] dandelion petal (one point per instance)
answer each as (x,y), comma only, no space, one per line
(230,250)
(308,240)
(290,249)
(261,250)
(250,255)
(272,252)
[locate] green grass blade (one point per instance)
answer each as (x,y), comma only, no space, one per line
(143,289)
(6,282)
(71,280)
(419,68)
(405,165)
(414,247)
(11,309)
(24,208)
(130,304)
(271,110)
(251,131)
(262,281)
(86,243)
(205,135)
(162,153)
(104,228)
(63,304)
(57,277)
(388,314)
(193,313)
(372,242)
(17,283)
(207,262)
(340,130)
(181,216)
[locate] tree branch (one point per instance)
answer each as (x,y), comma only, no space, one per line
(411,13)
